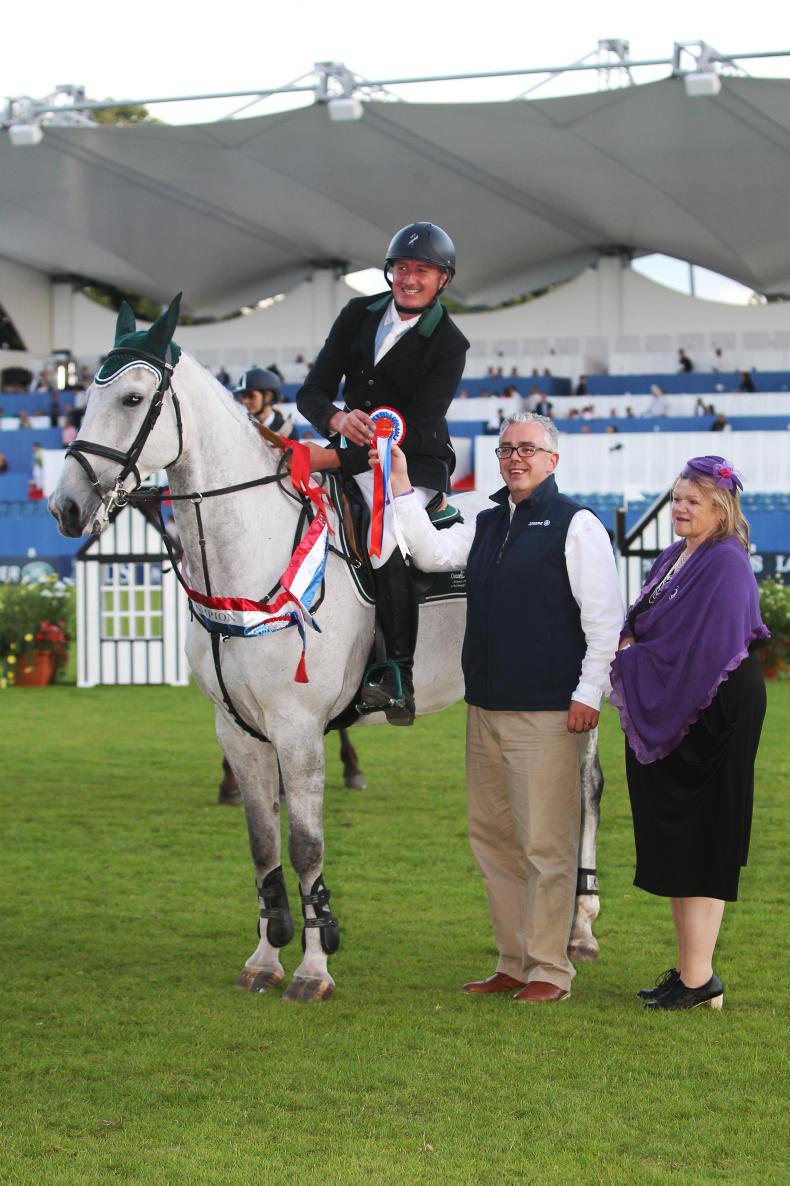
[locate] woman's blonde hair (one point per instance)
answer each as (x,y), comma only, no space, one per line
(727,502)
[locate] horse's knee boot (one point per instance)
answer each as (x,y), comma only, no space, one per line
(273,898)
(327,925)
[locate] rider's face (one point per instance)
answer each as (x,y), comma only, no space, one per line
(254,401)
(415,284)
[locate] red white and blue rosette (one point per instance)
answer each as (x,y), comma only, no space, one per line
(390,429)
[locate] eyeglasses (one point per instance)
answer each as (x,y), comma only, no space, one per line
(525,450)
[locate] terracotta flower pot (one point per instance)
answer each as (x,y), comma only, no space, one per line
(771,664)
(36,670)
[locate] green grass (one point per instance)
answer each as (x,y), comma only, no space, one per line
(128,909)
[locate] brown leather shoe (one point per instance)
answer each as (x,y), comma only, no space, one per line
(542,991)
(499,982)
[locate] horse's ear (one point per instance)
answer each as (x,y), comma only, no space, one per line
(126,323)
(161,332)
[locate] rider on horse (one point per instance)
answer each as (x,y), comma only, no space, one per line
(259,389)
(398,350)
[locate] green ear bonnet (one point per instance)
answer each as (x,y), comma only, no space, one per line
(153,348)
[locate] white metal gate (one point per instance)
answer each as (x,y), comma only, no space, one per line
(132,616)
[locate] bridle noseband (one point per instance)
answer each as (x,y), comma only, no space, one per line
(118,496)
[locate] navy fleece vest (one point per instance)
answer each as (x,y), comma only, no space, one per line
(524,643)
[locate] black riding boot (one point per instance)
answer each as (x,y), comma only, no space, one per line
(396,601)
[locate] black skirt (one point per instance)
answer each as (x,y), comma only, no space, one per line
(692,810)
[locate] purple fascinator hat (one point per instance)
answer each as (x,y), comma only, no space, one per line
(718,469)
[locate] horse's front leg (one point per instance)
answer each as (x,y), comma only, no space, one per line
(583,946)
(301,756)
(255,766)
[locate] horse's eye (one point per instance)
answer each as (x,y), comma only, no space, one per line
(131,401)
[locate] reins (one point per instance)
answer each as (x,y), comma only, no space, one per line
(119,496)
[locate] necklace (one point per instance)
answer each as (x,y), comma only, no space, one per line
(676,567)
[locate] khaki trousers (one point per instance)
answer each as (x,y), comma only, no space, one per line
(522,771)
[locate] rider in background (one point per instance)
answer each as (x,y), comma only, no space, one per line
(398,349)
(259,389)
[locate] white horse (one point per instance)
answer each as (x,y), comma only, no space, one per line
(210,443)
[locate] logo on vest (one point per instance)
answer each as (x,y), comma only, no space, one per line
(540,523)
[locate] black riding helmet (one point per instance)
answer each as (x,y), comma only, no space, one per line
(258,379)
(425,241)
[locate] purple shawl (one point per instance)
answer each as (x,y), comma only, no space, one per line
(697,631)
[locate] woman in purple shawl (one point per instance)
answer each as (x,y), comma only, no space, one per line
(689,688)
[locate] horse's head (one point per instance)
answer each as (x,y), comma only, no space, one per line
(131,429)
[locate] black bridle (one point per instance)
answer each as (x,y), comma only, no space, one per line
(118,496)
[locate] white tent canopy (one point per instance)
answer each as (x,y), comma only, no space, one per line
(531,191)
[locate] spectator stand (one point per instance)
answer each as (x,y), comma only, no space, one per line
(686,383)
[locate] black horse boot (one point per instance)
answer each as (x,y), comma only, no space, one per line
(398,612)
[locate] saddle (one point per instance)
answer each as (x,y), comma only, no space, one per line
(354,521)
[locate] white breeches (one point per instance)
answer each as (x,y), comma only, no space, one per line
(388,543)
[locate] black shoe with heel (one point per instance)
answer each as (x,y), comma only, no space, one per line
(680,997)
(664,982)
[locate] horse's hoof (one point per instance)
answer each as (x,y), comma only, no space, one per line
(259,979)
(309,989)
(583,952)
(356,782)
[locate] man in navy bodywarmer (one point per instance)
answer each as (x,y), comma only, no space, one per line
(544,613)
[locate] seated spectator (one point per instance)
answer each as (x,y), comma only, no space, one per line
(659,404)
(494,425)
(711,411)
(514,373)
(543,406)
(491,373)
(718,361)
(80,404)
(581,386)
(510,391)
(588,412)
(613,413)
(54,410)
(720,423)
(700,408)
(546,373)
(684,362)
(612,428)
(535,373)
(69,432)
(3,464)
(484,393)
(38,467)
(299,369)
(223,377)
(463,394)
(24,420)
(629,412)
(746,384)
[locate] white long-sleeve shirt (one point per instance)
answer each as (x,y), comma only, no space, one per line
(592,575)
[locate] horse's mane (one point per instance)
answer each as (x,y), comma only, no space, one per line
(195,372)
